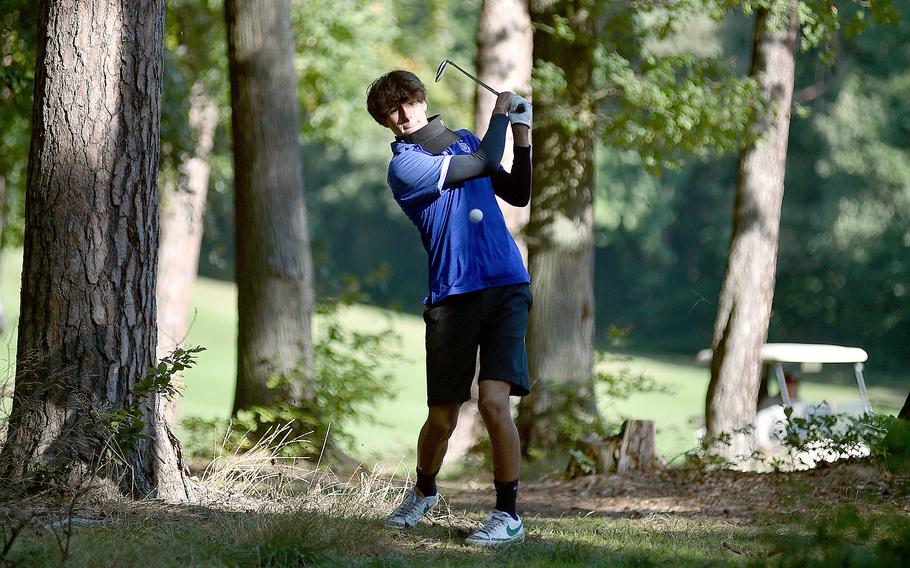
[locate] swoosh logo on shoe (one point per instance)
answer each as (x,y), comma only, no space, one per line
(511,532)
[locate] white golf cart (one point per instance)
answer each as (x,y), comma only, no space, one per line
(772,417)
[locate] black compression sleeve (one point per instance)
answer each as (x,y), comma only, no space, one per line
(515,188)
(485,160)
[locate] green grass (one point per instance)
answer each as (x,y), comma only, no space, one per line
(159,536)
(210,385)
(314,539)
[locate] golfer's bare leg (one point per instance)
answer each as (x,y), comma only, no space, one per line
(434,436)
(431,448)
(494,409)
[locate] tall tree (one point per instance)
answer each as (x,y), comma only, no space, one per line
(597,75)
(195,37)
(87,322)
(560,236)
(504,59)
(744,306)
(182,206)
(274,267)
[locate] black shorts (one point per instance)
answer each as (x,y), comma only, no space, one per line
(493,319)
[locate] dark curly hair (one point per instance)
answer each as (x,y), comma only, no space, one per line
(392,89)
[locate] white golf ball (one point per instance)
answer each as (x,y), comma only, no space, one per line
(476,215)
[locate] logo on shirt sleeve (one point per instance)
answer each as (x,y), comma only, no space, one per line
(463,146)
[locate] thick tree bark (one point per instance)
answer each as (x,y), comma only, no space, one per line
(504,60)
(274,268)
(182,205)
(744,306)
(87,323)
(560,238)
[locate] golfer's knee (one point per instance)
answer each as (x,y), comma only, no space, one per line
(494,408)
(442,424)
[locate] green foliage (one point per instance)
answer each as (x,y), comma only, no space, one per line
(346,382)
(576,420)
(676,107)
(336,54)
(818,437)
(18,29)
(125,427)
(102,437)
(836,435)
(843,257)
(842,275)
(665,107)
(894,449)
(195,61)
(204,437)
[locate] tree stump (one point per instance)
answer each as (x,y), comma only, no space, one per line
(632,450)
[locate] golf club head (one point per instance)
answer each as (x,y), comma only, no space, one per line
(441,70)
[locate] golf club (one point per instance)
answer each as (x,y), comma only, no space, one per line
(446,62)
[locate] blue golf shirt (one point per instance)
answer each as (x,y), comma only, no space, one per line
(463,256)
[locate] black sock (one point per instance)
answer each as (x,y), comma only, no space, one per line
(426,483)
(506,497)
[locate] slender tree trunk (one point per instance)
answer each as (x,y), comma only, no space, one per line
(744,307)
(182,205)
(274,268)
(504,48)
(560,238)
(904,414)
(87,323)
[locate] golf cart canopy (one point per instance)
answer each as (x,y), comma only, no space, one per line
(776,354)
(801,353)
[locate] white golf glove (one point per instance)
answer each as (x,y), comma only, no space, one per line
(523,117)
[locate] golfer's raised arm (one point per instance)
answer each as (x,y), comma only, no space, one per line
(485,160)
(515,188)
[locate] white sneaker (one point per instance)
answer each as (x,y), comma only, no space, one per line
(499,529)
(411,510)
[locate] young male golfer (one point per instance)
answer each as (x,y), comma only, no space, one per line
(479,297)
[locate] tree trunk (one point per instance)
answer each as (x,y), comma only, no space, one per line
(560,238)
(904,414)
(274,268)
(87,323)
(744,306)
(504,46)
(634,449)
(182,205)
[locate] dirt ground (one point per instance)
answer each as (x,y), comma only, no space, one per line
(734,496)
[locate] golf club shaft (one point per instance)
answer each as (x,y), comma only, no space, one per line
(476,80)
(520,108)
